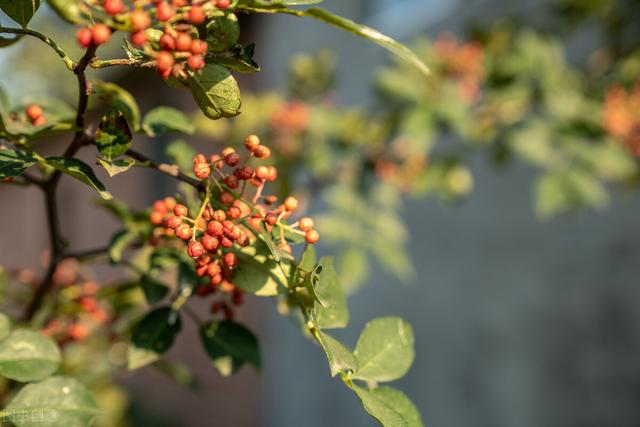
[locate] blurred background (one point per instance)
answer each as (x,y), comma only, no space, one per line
(518,321)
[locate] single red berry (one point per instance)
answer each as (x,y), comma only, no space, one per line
(216,279)
(226,198)
(227,150)
(197,15)
(230,259)
(256,182)
(198,47)
(174,222)
(215,228)
(290,203)
(33,111)
(170,203)
(184,232)
(223,4)
(183,42)
(245,172)
(165,11)
(234,212)
(167,42)
(210,242)
(201,170)
(225,242)
(312,236)
(271,218)
(232,159)
(164,61)
(113,7)
(251,142)
(180,210)
(213,269)
(285,247)
(160,206)
(199,158)
(156,218)
(219,215)
(262,172)
(140,20)
(262,152)
(195,62)
(39,121)
(100,34)
(273,173)
(305,224)
(84,37)
(77,332)
(139,38)
(231,181)
(195,249)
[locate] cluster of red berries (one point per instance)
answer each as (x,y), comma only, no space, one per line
(463,62)
(229,221)
(621,116)
(86,315)
(176,18)
(35,114)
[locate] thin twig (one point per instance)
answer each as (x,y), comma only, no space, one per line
(26,31)
(171,170)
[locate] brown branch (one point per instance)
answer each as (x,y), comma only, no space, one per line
(87,253)
(50,187)
(171,170)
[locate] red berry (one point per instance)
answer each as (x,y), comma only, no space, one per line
(225,242)
(226,198)
(219,215)
(290,203)
(77,332)
(199,158)
(167,42)
(201,170)
(245,172)
(100,34)
(195,62)
(232,159)
(196,15)
(84,37)
(231,181)
(113,7)
(33,111)
(179,3)
(271,218)
(230,259)
(139,38)
(170,203)
(251,142)
(140,20)
(174,222)
(198,47)
(215,228)
(184,232)
(223,4)
(164,61)
(183,42)
(306,224)
(234,212)
(39,121)
(180,210)
(165,11)
(273,173)
(312,236)
(195,249)
(210,242)
(262,152)
(156,217)
(262,172)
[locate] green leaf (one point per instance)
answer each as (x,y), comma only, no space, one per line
(67,10)
(181,153)
(154,291)
(238,58)
(229,345)
(308,259)
(20,11)
(166,119)
(28,356)
(215,91)
(55,402)
(154,334)
(223,31)
(14,162)
(340,358)
(331,309)
(116,167)
(121,100)
(5,326)
(119,242)
(113,137)
(384,350)
(80,171)
(257,272)
(389,406)
(8,41)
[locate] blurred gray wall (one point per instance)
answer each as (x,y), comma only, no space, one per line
(518,323)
